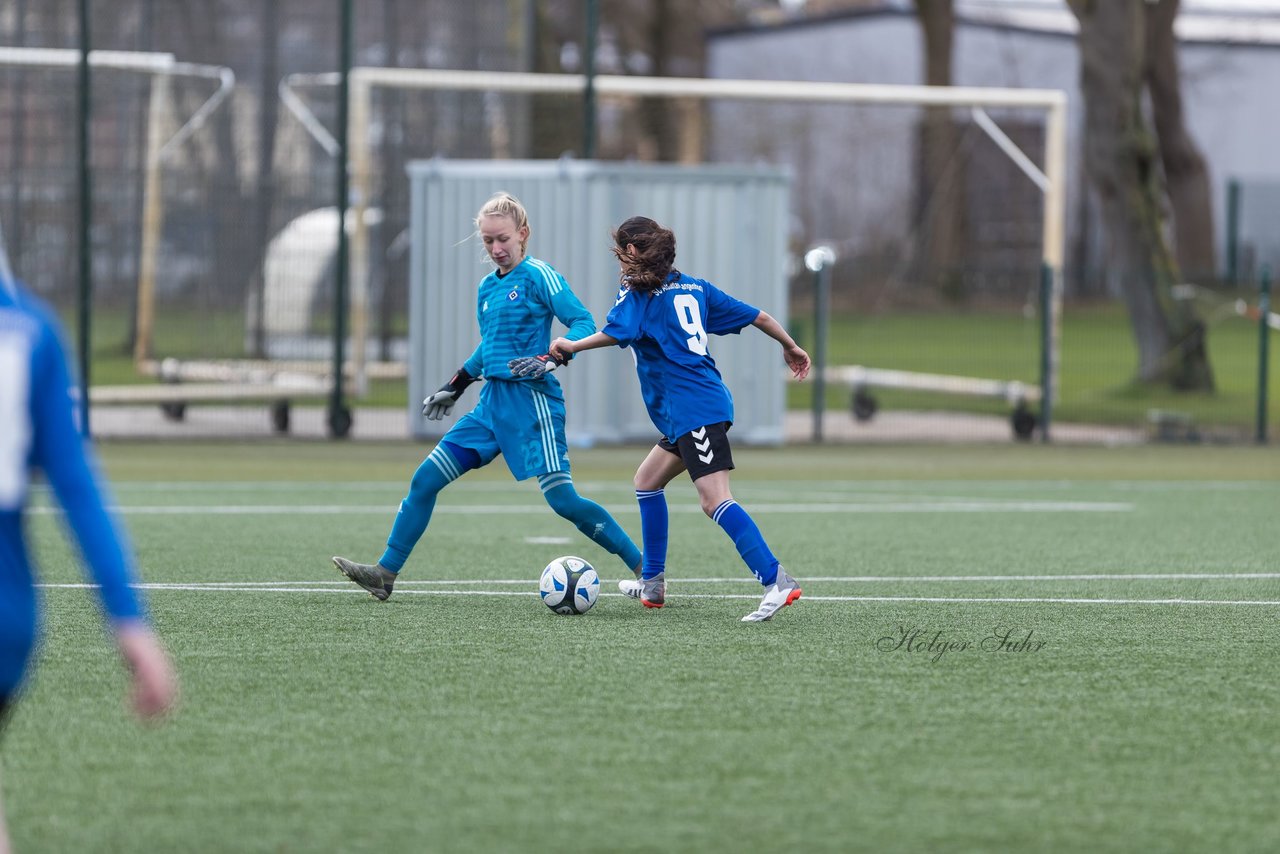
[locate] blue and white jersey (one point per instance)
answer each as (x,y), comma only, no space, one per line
(515,313)
(38,433)
(667,331)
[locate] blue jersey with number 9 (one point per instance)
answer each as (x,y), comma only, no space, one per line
(667,331)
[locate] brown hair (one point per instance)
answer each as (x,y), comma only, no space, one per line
(505,204)
(655,258)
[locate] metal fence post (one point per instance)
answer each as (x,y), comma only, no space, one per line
(589,71)
(818,261)
(339,416)
(1046,335)
(1264,340)
(1233,231)
(84,327)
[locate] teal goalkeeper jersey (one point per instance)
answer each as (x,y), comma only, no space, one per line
(515,313)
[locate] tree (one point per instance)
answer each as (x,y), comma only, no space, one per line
(1121,160)
(942,218)
(1185,171)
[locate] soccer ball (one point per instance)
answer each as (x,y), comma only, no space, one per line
(569,585)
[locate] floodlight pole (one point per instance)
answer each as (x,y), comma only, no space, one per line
(86,215)
(818,261)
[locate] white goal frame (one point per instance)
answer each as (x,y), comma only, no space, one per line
(162,67)
(1051,180)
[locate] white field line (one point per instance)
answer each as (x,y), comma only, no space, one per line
(468,588)
(853,579)
(512,487)
(540,509)
(1008,600)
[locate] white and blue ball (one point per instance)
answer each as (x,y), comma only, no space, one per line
(569,585)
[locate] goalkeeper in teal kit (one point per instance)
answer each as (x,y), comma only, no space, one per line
(519,418)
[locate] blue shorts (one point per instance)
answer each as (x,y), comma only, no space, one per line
(519,420)
(17,629)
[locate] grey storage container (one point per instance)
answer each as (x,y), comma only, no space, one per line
(731,226)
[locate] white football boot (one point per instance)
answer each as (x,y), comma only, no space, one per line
(777,596)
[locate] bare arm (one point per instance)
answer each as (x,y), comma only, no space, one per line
(796,358)
(563,348)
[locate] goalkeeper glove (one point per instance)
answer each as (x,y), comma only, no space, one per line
(535,367)
(440,404)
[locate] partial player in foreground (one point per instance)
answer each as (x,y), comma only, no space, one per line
(665,316)
(519,417)
(38,433)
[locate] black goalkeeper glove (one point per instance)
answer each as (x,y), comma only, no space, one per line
(534,367)
(440,404)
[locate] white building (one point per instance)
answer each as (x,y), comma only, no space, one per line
(1230,60)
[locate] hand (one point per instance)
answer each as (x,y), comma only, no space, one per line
(562,350)
(155,687)
(797,360)
(440,404)
(533,367)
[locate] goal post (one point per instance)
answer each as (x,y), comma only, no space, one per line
(1051,181)
(162,69)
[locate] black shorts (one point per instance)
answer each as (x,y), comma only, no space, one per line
(4,707)
(704,451)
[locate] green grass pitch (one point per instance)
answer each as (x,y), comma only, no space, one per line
(879,713)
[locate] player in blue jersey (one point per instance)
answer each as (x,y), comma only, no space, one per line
(665,317)
(38,433)
(521,418)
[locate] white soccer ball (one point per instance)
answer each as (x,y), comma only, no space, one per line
(569,585)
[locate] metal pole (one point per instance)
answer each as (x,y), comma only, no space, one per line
(1046,350)
(818,261)
(589,92)
(1264,338)
(1233,231)
(339,418)
(86,216)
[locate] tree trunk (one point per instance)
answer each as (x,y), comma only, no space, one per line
(941,222)
(1185,171)
(1120,159)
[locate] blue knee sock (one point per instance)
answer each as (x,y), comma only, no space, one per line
(653,529)
(750,543)
(589,517)
(445,464)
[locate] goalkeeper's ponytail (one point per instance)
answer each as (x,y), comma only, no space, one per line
(646,270)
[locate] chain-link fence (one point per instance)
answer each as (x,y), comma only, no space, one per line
(214,157)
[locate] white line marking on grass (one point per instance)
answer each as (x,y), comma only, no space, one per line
(1034,601)
(547,541)
(529,509)
(1136,576)
(941,600)
(836,579)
